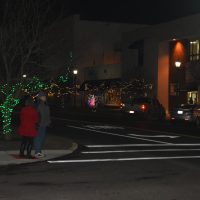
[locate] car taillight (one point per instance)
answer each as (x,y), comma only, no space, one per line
(143,107)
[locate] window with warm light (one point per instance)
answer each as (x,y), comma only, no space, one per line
(194,51)
(192,97)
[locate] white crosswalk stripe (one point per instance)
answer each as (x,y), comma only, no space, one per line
(125,159)
(142,145)
(135,152)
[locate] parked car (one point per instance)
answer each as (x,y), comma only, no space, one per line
(196,115)
(183,112)
(144,107)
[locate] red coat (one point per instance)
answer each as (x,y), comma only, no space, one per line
(29,118)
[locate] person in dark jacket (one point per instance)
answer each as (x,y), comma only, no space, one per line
(44,122)
(28,120)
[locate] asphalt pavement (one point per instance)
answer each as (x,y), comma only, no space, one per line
(127,160)
(111,140)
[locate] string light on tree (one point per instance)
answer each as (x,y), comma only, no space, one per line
(12,94)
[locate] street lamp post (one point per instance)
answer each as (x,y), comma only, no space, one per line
(75,73)
(178,66)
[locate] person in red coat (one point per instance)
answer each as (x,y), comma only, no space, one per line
(28,120)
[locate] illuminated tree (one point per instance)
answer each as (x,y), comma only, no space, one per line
(119,89)
(22,27)
(12,94)
(135,87)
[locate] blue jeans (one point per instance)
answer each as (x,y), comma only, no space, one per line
(39,139)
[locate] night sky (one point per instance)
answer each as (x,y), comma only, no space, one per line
(132,11)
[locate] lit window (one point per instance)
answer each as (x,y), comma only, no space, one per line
(194,50)
(192,97)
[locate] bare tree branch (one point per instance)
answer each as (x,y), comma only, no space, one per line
(22,25)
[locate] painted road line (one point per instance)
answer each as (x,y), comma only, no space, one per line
(138,151)
(155,136)
(119,135)
(132,128)
(164,132)
(123,159)
(153,131)
(140,145)
(104,127)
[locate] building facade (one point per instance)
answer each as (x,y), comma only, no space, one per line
(92,47)
(168,57)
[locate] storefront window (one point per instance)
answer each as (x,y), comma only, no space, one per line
(194,50)
(192,97)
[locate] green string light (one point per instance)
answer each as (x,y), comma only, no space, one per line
(63,79)
(7,110)
(12,94)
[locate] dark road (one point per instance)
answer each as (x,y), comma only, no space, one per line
(114,162)
(99,100)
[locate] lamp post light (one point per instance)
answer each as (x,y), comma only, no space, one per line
(178,66)
(75,73)
(24,76)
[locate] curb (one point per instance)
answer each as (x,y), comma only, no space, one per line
(9,159)
(74,146)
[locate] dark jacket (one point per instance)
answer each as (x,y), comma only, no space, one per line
(44,113)
(28,120)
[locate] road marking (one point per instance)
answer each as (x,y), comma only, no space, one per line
(137,129)
(123,159)
(115,134)
(163,132)
(137,151)
(139,145)
(155,136)
(104,127)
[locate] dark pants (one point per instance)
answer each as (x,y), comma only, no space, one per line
(39,139)
(26,144)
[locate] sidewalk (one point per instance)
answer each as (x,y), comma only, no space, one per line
(55,146)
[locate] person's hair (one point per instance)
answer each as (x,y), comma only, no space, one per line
(29,101)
